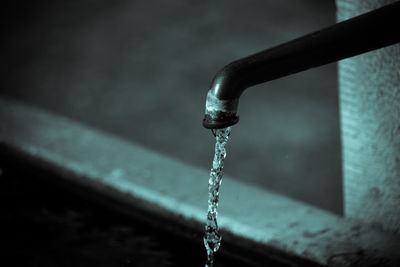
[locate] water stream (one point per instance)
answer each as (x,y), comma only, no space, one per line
(212,237)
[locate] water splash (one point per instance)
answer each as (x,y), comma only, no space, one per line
(212,238)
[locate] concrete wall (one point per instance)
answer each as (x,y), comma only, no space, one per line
(141,70)
(370,128)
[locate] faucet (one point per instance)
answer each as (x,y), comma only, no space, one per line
(367,32)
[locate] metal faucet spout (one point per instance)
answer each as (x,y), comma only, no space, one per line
(367,32)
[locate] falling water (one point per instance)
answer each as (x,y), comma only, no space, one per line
(212,238)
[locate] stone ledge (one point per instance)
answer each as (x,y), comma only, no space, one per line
(271,221)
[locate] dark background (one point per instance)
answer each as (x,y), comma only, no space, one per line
(141,70)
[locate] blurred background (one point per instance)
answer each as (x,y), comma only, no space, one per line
(140,70)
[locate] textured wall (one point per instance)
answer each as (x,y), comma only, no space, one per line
(370,128)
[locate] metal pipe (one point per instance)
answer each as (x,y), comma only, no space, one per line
(370,31)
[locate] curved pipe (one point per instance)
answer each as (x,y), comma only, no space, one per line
(370,31)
